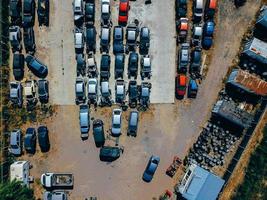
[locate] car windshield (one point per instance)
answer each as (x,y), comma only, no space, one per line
(13,146)
(37,65)
(116,125)
(41,90)
(123,13)
(180,87)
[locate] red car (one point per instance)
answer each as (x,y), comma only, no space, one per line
(181,85)
(123,11)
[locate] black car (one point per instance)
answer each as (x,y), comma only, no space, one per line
(195,60)
(43,91)
(90,38)
(118,46)
(43,138)
(28,13)
(98,132)
(15,10)
(133,65)
(105,67)
(133,123)
(89,13)
(133,93)
(29,40)
(18,66)
(30,140)
(109,154)
(144,40)
(43,12)
(181,8)
(37,68)
(119,65)
(81,64)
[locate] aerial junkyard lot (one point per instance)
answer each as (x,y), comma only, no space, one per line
(168,128)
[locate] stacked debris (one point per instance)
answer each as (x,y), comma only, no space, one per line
(211,146)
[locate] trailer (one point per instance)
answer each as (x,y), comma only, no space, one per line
(57,180)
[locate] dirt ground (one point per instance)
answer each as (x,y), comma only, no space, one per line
(165,130)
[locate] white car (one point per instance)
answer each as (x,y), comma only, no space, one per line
(116,122)
(78,41)
(92,90)
(105,11)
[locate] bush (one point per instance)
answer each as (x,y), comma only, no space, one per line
(15,191)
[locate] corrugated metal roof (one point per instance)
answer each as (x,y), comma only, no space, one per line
(248,82)
(202,185)
(256,49)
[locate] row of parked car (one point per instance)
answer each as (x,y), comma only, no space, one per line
(87,92)
(202,37)
(98,125)
(30,138)
(32,90)
(23,13)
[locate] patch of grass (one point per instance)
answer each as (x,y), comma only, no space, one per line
(254,186)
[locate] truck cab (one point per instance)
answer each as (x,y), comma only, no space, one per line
(57,180)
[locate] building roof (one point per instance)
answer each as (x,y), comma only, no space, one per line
(17,171)
(199,184)
(248,82)
(256,49)
(262,19)
(228,110)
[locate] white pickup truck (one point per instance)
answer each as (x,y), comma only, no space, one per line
(57,180)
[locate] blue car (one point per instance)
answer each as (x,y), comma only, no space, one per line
(151,168)
(192,89)
(208,31)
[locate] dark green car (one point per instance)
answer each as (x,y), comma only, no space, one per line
(109,154)
(98,132)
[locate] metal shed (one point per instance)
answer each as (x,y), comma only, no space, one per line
(254,55)
(245,86)
(200,184)
(231,116)
(260,30)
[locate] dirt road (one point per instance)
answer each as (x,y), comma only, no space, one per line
(165,130)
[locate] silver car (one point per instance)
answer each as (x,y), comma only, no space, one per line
(84,121)
(92,90)
(116,122)
(79,40)
(15,147)
(105,91)
(120,91)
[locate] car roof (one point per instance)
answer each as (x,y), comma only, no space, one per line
(147,61)
(13,137)
(105,33)
(199,3)
(145,32)
(120,89)
(105,8)
(212,4)
(182,79)
(133,118)
(104,87)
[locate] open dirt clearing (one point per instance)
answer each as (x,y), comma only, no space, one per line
(165,130)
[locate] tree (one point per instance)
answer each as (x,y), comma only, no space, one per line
(15,191)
